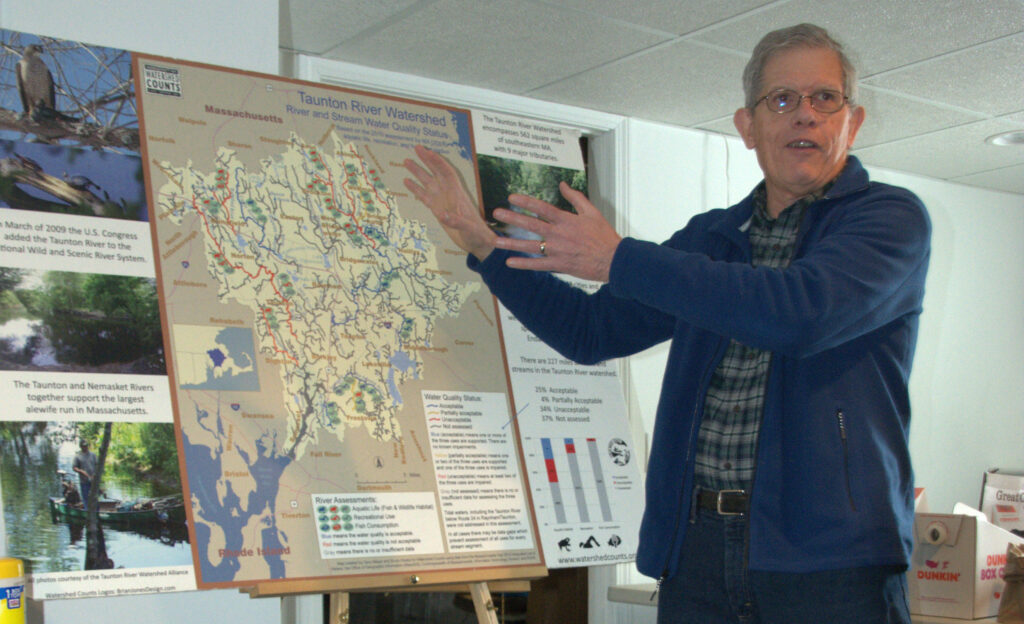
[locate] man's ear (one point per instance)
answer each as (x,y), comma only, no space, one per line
(743,119)
(856,120)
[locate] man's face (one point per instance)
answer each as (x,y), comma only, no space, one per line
(799,151)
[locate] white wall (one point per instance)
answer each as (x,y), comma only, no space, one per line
(967,386)
(210,31)
(229,33)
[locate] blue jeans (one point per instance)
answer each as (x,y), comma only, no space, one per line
(714,586)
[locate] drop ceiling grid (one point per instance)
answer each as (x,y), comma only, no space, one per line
(496,45)
(937,75)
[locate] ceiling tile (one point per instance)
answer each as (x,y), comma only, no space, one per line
(881,34)
(674,16)
(1010,179)
(891,116)
(669,84)
(968,78)
(724,125)
(956,152)
(315,26)
(496,45)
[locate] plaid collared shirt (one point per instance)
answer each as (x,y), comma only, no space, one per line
(727,441)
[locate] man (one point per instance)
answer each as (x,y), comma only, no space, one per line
(71,496)
(85,465)
(779,486)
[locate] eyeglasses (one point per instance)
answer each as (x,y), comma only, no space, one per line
(786,101)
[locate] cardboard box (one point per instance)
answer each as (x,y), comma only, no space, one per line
(1002,500)
(920,500)
(957,567)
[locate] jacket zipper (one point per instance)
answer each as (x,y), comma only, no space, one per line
(689,453)
(757,450)
(657,585)
(801,234)
(841,419)
(679,507)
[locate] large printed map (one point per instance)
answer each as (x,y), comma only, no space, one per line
(345,291)
(337,370)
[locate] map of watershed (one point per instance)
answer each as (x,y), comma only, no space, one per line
(345,338)
(310,303)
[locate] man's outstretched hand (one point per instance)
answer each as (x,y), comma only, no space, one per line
(580,244)
(440,189)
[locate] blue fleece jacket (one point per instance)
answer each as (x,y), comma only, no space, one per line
(834,485)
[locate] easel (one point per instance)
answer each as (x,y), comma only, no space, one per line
(507,579)
(483,605)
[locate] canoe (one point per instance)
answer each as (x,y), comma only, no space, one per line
(155,511)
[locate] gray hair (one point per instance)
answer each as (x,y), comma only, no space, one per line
(799,36)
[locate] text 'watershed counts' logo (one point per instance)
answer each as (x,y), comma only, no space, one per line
(162,80)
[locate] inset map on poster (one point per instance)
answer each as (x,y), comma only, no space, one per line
(337,370)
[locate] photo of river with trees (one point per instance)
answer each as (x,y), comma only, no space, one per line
(79,322)
(139,472)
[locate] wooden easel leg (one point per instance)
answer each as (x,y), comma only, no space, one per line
(482,603)
(339,608)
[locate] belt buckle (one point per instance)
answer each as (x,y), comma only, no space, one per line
(718,503)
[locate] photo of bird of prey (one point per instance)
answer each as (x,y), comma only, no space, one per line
(35,84)
(60,92)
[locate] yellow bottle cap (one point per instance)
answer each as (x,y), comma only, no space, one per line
(11,568)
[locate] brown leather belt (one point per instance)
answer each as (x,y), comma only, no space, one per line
(724,502)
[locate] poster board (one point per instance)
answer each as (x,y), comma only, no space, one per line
(202,129)
(581,463)
(80,340)
(447,488)
(336,370)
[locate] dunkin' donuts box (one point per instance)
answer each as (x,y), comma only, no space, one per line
(1002,500)
(958,563)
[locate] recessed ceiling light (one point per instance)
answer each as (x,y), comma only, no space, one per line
(1014,137)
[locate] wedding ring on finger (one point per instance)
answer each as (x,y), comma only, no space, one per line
(543,249)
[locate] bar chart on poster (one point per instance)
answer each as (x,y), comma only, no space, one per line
(582,465)
(578,489)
